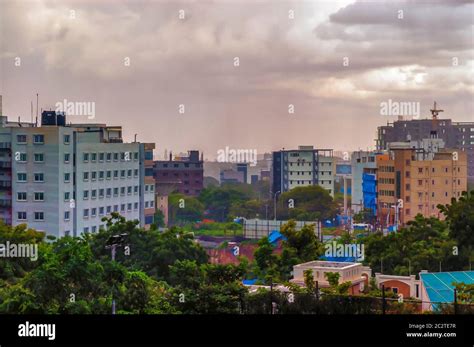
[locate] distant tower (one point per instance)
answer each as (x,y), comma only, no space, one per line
(434,122)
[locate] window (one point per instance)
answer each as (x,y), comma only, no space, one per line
(94,193)
(86,176)
(109,209)
(135,190)
(129,206)
(152,204)
(86,230)
(116,156)
(122,191)
(21,196)
(135,173)
(109,192)
(23,158)
(93,175)
(101,175)
(67,215)
(67,157)
(101,193)
(101,211)
(38,139)
(94,212)
(85,194)
(116,208)
(122,174)
(21,215)
(101,156)
(39,177)
(146,204)
(109,156)
(122,156)
(129,190)
(129,173)
(67,177)
(135,206)
(21,177)
(93,156)
(21,139)
(39,196)
(115,174)
(67,139)
(109,174)
(39,157)
(116,191)
(85,157)
(135,156)
(39,216)
(94,228)
(122,208)
(85,213)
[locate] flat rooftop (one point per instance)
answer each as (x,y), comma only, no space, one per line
(328,264)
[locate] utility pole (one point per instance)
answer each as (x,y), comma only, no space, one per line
(112,243)
(383,299)
(275,205)
(455,301)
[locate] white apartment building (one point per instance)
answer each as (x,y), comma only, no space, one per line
(303,167)
(66,178)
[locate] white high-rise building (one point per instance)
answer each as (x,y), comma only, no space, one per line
(66,178)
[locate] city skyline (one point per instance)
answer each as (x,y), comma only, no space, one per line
(327,61)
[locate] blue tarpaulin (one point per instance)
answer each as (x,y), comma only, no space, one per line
(249,282)
(369,192)
(275,236)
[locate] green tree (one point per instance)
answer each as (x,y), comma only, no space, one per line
(460,218)
(309,280)
(184,209)
(310,203)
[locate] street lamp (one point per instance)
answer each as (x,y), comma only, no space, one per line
(112,243)
(275,205)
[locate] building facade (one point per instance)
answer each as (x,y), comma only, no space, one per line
(361,161)
(458,135)
(185,174)
(408,185)
(65,178)
(305,166)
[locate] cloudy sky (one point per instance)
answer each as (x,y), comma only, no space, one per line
(334,61)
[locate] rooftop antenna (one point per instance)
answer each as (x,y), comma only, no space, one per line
(37,102)
(31,112)
(435,112)
(434,122)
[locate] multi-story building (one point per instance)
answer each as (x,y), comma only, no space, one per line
(360,162)
(410,182)
(305,166)
(185,174)
(232,176)
(459,135)
(66,177)
(148,203)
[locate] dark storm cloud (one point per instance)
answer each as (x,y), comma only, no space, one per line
(282,61)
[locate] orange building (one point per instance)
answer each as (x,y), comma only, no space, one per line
(411,183)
